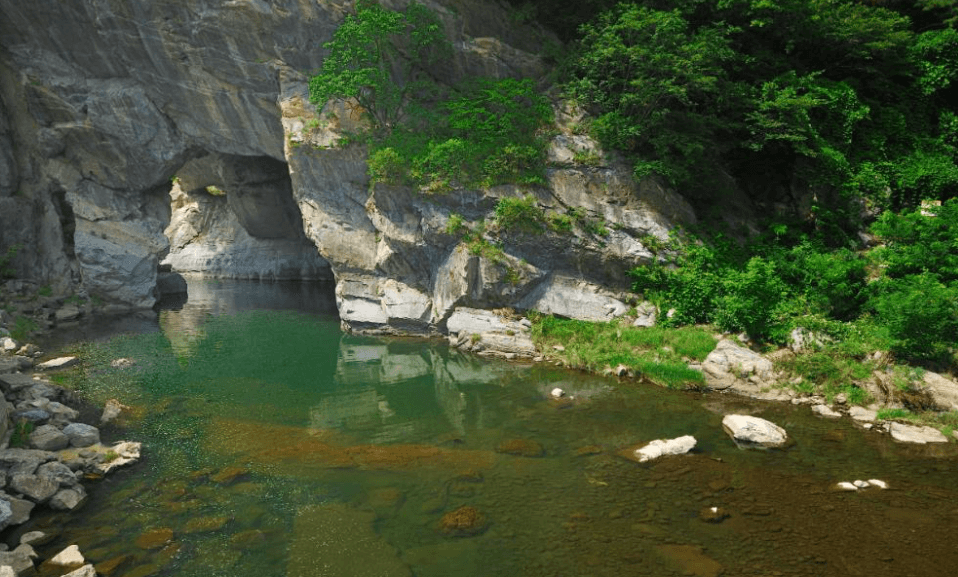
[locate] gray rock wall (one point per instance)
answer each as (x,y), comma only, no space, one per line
(104,103)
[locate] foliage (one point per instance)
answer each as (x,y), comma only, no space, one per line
(657,354)
(20,437)
(22,328)
(921,315)
(914,243)
(455,225)
(380,58)
(522,214)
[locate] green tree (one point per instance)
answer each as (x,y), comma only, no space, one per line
(381,58)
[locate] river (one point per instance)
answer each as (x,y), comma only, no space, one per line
(276,445)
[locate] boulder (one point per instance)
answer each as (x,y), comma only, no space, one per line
(111,411)
(8,345)
(68,499)
(85,571)
(36,488)
(941,391)
(21,509)
(81,434)
(170,283)
(68,313)
(732,366)
(573,299)
(48,438)
(6,513)
(23,461)
(661,447)
(58,472)
(19,561)
(915,434)
(14,363)
(15,382)
(862,414)
(69,559)
(645,315)
(753,432)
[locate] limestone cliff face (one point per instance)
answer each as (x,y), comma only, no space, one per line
(103,103)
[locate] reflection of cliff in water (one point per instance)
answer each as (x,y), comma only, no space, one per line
(393,390)
(181,320)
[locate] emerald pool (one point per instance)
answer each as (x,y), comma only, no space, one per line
(276,445)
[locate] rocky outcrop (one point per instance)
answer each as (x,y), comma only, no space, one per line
(100,122)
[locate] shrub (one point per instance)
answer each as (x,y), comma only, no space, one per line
(386,166)
(752,299)
(521,214)
(921,315)
(915,243)
(6,269)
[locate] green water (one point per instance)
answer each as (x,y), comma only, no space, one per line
(274,445)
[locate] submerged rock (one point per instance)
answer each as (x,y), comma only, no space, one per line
(521,448)
(463,522)
(753,432)
(660,447)
(825,411)
(58,363)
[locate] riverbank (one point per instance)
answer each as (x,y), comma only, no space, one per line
(910,404)
(51,449)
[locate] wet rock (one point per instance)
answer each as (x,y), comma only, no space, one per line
(753,432)
(85,571)
(48,438)
(463,522)
(68,499)
(557,393)
(878,483)
(713,514)
(120,454)
(228,475)
(521,448)
(36,488)
(825,411)
(58,363)
(81,434)
(846,486)
(915,434)
(662,447)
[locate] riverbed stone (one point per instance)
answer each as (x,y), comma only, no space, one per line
(112,409)
(58,472)
(753,432)
(155,538)
(68,499)
(521,448)
(35,538)
(825,411)
(19,508)
(465,521)
(66,560)
(8,345)
(48,438)
(58,363)
(81,434)
(19,561)
(36,488)
(5,513)
(915,434)
(663,447)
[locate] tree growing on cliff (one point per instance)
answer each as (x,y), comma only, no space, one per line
(381,58)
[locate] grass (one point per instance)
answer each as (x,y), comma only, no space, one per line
(895,414)
(22,328)
(21,433)
(657,354)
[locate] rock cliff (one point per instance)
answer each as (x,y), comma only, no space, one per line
(107,109)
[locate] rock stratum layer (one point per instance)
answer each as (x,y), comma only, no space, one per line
(108,109)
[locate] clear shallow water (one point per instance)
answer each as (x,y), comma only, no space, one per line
(277,446)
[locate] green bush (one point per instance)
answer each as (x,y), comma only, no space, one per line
(522,214)
(386,166)
(921,315)
(915,243)
(752,300)
(6,269)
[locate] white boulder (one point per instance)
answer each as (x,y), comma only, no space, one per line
(662,447)
(753,432)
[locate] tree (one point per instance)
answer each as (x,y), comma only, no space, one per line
(381,58)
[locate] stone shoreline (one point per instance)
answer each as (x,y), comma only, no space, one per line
(46,455)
